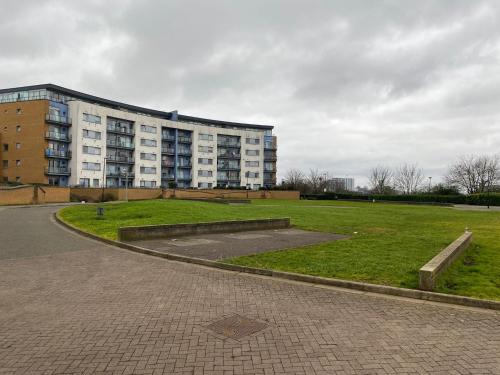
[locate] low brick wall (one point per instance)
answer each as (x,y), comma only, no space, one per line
(51,194)
(429,273)
(114,194)
(228,194)
(150,232)
(16,195)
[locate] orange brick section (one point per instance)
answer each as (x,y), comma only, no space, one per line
(30,116)
(70,305)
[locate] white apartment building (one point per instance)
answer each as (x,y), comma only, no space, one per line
(116,144)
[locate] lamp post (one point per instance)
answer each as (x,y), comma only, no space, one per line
(103,179)
(430,180)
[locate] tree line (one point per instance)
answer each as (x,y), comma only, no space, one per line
(469,174)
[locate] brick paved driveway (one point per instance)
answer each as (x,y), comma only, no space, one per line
(72,305)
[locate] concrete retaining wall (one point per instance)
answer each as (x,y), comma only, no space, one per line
(429,273)
(228,194)
(149,232)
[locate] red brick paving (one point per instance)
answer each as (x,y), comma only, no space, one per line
(102,310)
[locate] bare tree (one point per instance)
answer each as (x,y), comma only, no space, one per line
(295,180)
(475,174)
(315,180)
(380,179)
(408,178)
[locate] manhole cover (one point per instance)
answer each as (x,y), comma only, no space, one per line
(236,327)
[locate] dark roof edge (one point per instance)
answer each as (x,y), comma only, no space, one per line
(99,100)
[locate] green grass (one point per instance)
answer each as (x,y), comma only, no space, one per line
(388,242)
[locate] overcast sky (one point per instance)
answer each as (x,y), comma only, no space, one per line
(347,84)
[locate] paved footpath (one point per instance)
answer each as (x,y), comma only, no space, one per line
(71,305)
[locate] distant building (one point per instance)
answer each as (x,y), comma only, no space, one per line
(53,135)
(338,184)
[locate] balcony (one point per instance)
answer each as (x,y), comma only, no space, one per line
(114,173)
(182,139)
(56,136)
(120,130)
(166,137)
(51,153)
(167,163)
(165,176)
(120,159)
(227,167)
(184,151)
(228,144)
(168,150)
(58,120)
(119,144)
(184,166)
(57,171)
(272,169)
(228,155)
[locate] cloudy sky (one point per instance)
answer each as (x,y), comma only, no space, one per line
(348,84)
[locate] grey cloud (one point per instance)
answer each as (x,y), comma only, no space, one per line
(349,84)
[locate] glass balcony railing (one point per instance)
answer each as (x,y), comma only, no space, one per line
(168,150)
(57,136)
(120,130)
(183,139)
(65,171)
(121,144)
(51,153)
(167,137)
(57,119)
(120,159)
(228,144)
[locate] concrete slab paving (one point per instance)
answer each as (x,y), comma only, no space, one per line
(71,305)
(227,245)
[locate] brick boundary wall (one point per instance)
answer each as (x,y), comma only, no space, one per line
(429,273)
(228,194)
(23,195)
(149,232)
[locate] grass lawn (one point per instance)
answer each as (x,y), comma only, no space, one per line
(388,242)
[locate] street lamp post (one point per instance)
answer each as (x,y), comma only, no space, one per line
(430,180)
(103,179)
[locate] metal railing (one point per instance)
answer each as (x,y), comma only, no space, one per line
(64,120)
(120,159)
(58,136)
(229,144)
(183,139)
(168,150)
(120,130)
(167,137)
(120,174)
(57,170)
(113,143)
(51,153)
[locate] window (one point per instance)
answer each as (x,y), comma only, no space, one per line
(18,128)
(148,184)
(147,156)
(18,163)
(19,111)
(91,150)
(204,173)
(148,170)
(256,186)
(252,152)
(205,161)
(251,163)
(85,182)
(18,146)
(5,164)
(5,147)
(207,149)
(91,166)
(148,142)
(148,129)
(205,137)
(91,134)
(205,185)
(95,182)
(253,141)
(18,179)
(94,119)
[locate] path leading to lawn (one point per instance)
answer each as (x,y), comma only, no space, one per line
(72,305)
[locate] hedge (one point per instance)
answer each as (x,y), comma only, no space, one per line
(481,199)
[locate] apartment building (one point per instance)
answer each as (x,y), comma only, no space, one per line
(53,135)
